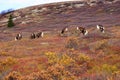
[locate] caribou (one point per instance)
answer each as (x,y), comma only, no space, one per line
(101,28)
(40,34)
(18,37)
(82,30)
(32,36)
(64,30)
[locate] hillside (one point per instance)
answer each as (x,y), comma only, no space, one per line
(73,56)
(69,13)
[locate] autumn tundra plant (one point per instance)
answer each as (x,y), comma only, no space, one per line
(59,72)
(6,64)
(82,58)
(72,43)
(54,58)
(13,76)
(8,61)
(104,68)
(41,75)
(3,54)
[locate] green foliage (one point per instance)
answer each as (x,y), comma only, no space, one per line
(10,22)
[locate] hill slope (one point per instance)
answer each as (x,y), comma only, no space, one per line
(94,56)
(66,13)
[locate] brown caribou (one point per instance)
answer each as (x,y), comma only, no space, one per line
(18,37)
(39,34)
(82,30)
(32,36)
(101,28)
(64,30)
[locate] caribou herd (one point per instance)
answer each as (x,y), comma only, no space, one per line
(41,34)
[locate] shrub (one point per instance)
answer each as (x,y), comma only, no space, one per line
(72,43)
(3,54)
(13,76)
(52,57)
(109,68)
(82,58)
(58,72)
(9,61)
(66,60)
(106,68)
(42,75)
(10,22)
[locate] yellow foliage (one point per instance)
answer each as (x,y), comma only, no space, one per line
(13,76)
(105,68)
(52,57)
(83,58)
(9,61)
(109,68)
(66,60)
(58,72)
(3,54)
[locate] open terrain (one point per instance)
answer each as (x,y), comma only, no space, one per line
(95,56)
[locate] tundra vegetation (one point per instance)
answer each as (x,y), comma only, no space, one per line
(70,56)
(61,58)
